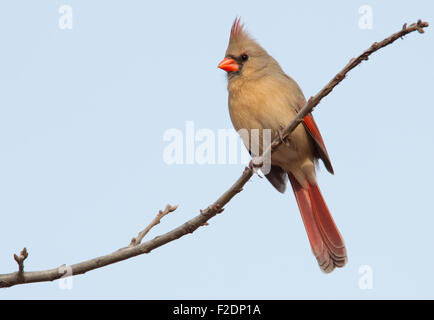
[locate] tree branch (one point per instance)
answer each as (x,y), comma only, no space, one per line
(137,248)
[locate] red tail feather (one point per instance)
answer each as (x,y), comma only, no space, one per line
(324,237)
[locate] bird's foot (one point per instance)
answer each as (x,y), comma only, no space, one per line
(282,138)
(255,164)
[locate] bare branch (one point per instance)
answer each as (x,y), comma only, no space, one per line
(20,277)
(315,100)
(11,279)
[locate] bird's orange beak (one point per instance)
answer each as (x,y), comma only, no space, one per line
(228,65)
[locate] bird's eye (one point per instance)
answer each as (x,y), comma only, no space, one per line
(244,57)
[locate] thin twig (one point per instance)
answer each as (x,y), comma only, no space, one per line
(11,279)
(20,261)
(157,219)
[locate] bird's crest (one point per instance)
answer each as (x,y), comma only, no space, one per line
(237,29)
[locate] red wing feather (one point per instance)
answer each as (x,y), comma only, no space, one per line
(312,128)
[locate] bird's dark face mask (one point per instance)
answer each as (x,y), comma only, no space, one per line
(233,65)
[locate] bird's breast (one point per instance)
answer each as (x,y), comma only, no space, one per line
(259,109)
(260,104)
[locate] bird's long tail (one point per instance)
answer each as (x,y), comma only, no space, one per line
(324,237)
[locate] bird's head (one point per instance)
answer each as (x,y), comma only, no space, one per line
(244,56)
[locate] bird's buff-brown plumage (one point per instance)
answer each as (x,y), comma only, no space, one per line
(262,96)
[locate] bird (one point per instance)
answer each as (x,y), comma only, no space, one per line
(261,96)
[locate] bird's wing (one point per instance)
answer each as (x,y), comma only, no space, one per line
(310,125)
(320,148)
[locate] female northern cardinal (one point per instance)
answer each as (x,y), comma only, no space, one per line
(262,96)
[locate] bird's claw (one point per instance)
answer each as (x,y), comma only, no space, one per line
(283,139)
(279,132)
(255,166)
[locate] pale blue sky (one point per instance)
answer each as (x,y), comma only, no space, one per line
(82,118)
